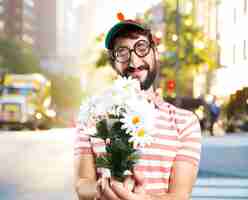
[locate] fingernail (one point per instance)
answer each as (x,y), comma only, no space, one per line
(117,184)
(130,184)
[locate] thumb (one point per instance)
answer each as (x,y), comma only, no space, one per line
(129,183)
(139,182)
(139,177)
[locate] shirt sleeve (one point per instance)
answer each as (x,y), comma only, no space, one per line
(189,140)
(82,143)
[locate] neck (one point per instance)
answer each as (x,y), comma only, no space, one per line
(149,91)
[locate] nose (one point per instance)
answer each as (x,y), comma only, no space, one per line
(135,61)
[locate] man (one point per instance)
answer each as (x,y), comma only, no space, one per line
(168,168)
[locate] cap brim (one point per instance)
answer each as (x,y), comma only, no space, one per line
(119,27)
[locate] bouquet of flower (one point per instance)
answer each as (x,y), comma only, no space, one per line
(123,117)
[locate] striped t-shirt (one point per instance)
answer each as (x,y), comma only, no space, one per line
(177,138)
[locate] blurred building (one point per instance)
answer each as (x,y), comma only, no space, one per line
(18,20)
(2,20)
(226,22)
(51,34)
(206,15)
(64,29)
(87,21)
(46,43)
(233,40)
(59,30)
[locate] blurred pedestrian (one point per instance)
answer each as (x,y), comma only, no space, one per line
(214,110)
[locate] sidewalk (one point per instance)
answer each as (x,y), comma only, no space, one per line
(225,156)
(220,189)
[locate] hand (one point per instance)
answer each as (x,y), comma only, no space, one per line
(120,191)
(104,190)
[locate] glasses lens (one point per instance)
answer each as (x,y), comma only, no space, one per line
(142,48)
(122,54)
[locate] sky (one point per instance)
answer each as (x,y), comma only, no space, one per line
(105,10)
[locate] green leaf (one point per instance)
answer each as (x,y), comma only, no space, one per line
(121,155)
(102,130)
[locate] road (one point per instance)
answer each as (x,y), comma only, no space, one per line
(38,165)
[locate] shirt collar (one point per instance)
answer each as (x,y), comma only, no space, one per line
(156,98)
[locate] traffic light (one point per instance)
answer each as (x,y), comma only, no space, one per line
(170,87)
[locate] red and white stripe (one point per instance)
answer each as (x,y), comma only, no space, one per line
(177,138)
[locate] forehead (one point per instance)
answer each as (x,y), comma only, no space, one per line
(129,42)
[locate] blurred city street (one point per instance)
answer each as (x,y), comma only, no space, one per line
(54,57)
(36,165)
(39,165)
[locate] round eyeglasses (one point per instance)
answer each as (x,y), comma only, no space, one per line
(141,48)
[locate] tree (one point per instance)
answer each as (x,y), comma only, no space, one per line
(17,57)
(66,91)
(102,60)
(195,48)
(67,95)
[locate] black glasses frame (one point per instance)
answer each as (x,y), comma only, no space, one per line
(134,49)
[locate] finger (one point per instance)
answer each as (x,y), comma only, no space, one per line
(139,182)
(121,191)
(104,182)
(102,198)
(100,185)
(139,178)
(139,189)
(99,188)
(109,194)
(129,183)
(98,191)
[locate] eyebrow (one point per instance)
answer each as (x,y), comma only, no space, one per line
(120,45)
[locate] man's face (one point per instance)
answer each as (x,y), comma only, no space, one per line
(141,64)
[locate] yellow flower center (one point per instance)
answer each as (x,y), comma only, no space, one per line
(141,132)
(135,120)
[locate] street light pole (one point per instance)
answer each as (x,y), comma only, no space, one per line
(177,66)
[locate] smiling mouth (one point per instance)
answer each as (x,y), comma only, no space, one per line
(137,72)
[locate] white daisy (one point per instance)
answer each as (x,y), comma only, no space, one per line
(138,121)
(91,130)
(140,138)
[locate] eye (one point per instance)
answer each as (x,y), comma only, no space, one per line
(121,52)
(142,47)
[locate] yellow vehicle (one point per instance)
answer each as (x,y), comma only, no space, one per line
(26,101)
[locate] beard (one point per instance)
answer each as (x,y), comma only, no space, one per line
(149,80)
(150,76)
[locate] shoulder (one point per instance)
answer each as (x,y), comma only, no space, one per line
(176,112)
(182,119)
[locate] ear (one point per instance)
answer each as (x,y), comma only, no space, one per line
(110,55)
(156,52)
(156,56)
(111,60)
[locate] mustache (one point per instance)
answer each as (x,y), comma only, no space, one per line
(131,69)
